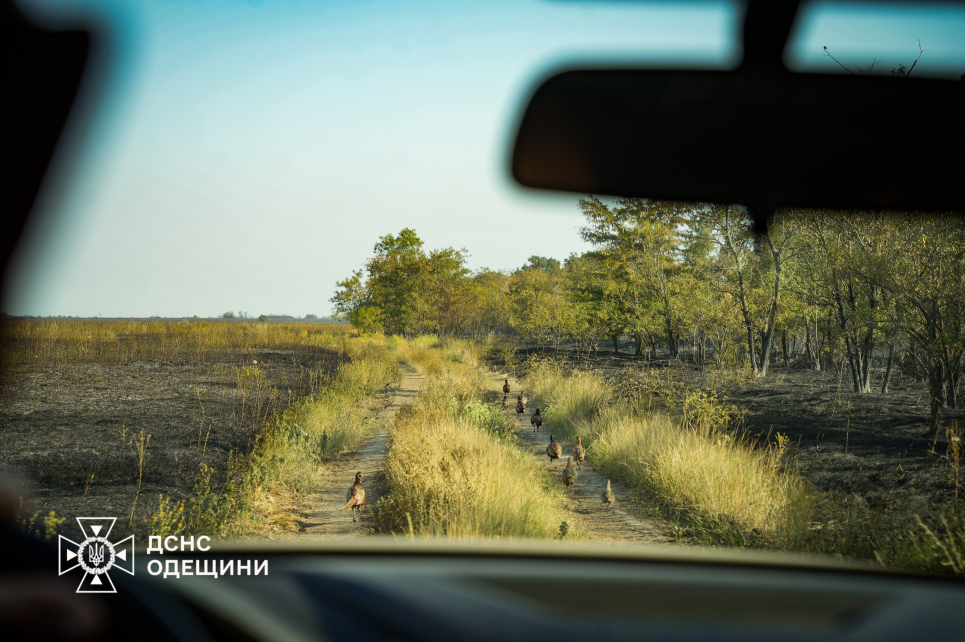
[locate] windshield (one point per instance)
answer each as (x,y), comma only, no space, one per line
(281,286)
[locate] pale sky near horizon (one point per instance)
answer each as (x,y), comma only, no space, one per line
(247,155)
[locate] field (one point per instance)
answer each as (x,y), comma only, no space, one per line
(795,461)
(105,417)
(869,446)
(254,429)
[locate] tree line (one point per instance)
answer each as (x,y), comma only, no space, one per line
(691,280)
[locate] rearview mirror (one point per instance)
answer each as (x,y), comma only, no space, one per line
(765,140)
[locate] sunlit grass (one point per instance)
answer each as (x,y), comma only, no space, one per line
(690,464)
(454,467)
(61,343)
(723,491)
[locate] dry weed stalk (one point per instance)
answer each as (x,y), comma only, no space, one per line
(141,444)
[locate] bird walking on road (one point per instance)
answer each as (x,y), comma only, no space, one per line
(356,497)
(520,408)
(608,497)
(536,420)
(554,450)
(521,401)
(579,453)
(506,386)
(569,473)
(505,401)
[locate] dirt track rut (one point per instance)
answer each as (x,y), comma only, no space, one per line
(322,516)
(622,523)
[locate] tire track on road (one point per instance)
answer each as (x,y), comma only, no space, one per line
(322,515)
(622,523)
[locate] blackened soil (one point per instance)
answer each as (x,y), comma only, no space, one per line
(872,447)
(73,432)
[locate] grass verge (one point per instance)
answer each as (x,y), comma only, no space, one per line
(261,488)
(454,467)
(720,490)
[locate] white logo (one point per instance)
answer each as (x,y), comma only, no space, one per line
(96,555)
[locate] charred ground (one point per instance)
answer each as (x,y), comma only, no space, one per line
(72,426)
(872,448)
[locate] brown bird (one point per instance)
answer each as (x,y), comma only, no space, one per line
(505,401)
(506,386)
(569,473)
(522,401)
(355,497)
(536,420)
(579,453)
(608,497)
(520,408)
(554,450)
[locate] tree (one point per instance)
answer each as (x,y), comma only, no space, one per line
(411,291)
(639,241)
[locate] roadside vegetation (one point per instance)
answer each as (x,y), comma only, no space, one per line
(720,488)
(864,293)
(263,486)
(454,468)
(797,390)
(180,426)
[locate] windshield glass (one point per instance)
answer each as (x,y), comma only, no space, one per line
(282,286)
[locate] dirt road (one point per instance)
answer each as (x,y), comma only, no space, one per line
(322,516)
(622,523)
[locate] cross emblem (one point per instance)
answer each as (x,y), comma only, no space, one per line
(96,555)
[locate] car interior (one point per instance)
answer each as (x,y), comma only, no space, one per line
(578,131)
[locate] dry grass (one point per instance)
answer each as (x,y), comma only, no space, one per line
(63,343)
(723,491)
(454,466)
(301,420)
(283,460)
(686,460)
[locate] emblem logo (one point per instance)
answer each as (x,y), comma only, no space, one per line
(96,555)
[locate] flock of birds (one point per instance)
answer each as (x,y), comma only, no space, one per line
(554,451)
(355,498)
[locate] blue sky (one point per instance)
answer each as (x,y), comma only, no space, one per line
(246,155)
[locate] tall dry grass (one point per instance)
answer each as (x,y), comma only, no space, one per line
(63,343)
(283,461)
(321,416)
(454,467)
(723,491)
(686,460)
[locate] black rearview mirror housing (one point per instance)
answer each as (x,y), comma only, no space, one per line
(759,138)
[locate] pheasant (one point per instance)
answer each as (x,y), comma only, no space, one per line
(520,408)
(506,386)
(554,450)
(608,497)
(505,401)
(355,497)
(579,453)
(536,420)
(569,473)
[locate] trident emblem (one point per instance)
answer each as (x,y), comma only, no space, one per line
(96,554)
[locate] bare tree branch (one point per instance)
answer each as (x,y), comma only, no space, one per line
(920,52)
(828,54)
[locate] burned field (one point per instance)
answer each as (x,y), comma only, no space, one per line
(874,449)
(100,418)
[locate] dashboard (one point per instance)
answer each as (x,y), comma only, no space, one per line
(403,590)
